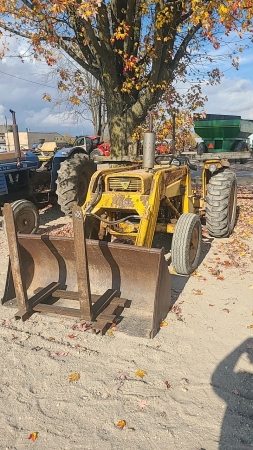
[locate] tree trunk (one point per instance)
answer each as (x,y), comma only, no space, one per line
(121,128)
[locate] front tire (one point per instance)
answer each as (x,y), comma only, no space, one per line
(186,244)
(221,202)
(26,217)
(73,181)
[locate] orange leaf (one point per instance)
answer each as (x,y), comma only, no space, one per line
(140,373)
(163,324)
(121,424)
(74,377)
(220,277)
(33,436)
(197,292)
(71,336)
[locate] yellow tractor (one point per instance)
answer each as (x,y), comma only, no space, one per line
(131,204)
(108,269)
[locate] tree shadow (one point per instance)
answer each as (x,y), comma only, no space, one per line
(235,387)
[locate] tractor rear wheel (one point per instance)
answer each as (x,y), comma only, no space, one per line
(26,217)
(73,181)
(221,202)
(186,244)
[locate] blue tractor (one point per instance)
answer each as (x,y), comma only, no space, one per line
(30,178)
(17,170)
(67,174)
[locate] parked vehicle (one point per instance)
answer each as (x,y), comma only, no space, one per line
(222,133)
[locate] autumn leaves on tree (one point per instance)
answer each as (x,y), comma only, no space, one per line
(137,50)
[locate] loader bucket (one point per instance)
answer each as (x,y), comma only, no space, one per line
(136,274)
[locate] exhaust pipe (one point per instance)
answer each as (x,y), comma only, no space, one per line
(16,137)
(149,146)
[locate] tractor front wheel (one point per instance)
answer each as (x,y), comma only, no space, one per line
(221,202)
(186,244)
(73,181)
(26,217)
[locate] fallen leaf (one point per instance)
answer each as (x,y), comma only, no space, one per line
(163,324)
(196,274)
(176,309)
(211,304)
(74,377)
(51,338)
(110,332)
(226,310)
(33,436)
(227,263)
(142,404)
(123,375)
(215,273)
(197,292)
(250,326)
(220,277)
(118,385)
(167,384)
(55,354)
(121,424)
(140,373)
(72,336)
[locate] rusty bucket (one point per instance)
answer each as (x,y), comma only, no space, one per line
(43,266)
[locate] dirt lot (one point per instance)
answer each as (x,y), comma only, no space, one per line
(197,387)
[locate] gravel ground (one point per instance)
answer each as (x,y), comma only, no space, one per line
(63,387)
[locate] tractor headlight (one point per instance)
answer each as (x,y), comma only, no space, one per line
(212,168)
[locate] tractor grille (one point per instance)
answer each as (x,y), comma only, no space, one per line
(125,184)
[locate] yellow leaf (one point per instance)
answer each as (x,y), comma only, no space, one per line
(74,377)
(140,373)
(121,424)
(163,324)
(46,97)
(110,332)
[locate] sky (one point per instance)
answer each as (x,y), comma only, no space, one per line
(23,84)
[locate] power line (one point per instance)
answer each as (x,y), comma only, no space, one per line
(28,81)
